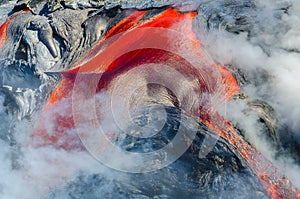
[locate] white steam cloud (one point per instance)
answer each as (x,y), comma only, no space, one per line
(28,171)
(272,49)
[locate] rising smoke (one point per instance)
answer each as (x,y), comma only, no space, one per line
(267,54)
(269,57)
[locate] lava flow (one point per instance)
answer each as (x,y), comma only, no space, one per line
(111,67)
(3,27)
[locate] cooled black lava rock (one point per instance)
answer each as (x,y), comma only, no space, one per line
(57,34)
(222,173)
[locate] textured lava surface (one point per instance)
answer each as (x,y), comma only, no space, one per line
(45,45)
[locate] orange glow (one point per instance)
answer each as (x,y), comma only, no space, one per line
(61,91)
(3,32)
(126,24)
(276,185)
(167,19)
(272,180)
(3,28)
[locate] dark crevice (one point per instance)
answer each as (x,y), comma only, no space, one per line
(22,52)
(17,8)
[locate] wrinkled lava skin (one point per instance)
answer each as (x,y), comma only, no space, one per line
(276,185)
(167,19)
(277,188)
(3,27)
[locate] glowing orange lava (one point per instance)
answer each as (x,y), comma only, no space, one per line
(276,184)
(3,27)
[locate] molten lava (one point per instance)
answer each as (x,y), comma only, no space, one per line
(3,27)
(275,183)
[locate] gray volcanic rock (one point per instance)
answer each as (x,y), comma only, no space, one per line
(222,173)
(56,35)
